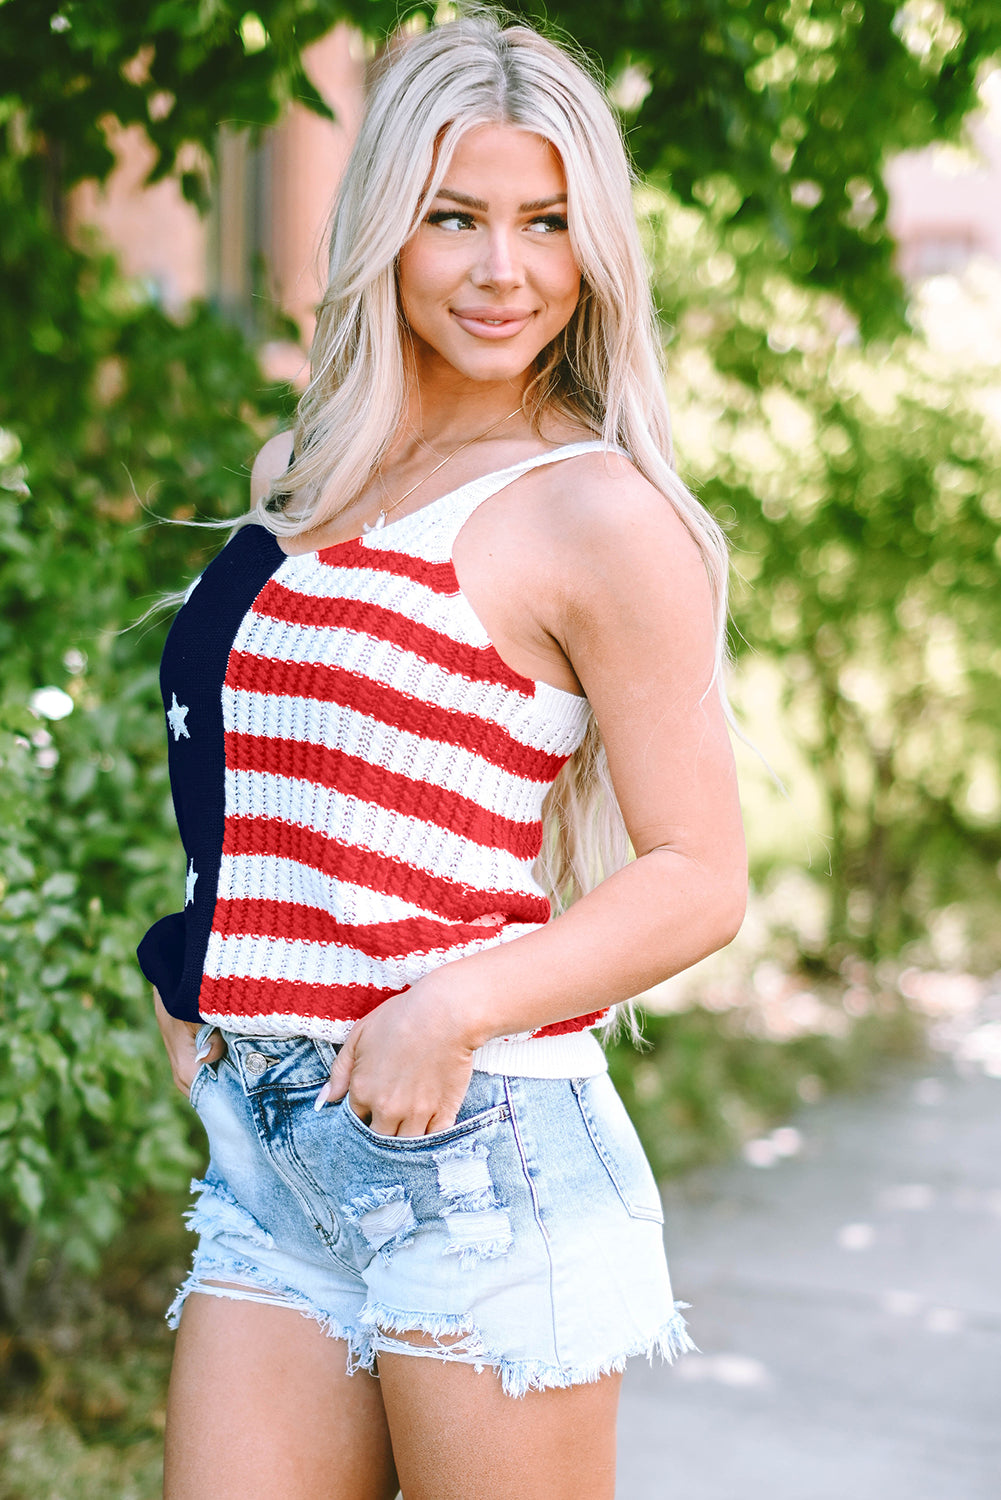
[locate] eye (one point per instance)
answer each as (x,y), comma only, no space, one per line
(548,224)
(449,218)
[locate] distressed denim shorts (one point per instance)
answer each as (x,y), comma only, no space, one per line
(525,1239)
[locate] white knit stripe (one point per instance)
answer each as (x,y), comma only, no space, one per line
(406,597)
(296,961)
(557,731)
(264,877)
(420,760)
(364,825)
(283,1024)
(382,662)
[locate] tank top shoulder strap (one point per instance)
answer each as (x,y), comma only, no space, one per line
(455,509)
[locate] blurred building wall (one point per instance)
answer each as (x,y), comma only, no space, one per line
(945,202)
(261,246)
(263,240)
(160,239)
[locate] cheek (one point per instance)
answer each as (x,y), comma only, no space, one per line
(416,276)
(566,284)
(565,271)
(408,277)
(425,282)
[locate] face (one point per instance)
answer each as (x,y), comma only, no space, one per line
(489,277)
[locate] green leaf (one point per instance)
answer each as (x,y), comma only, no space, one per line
(63,883)
(28,1188)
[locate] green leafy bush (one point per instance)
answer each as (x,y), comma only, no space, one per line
(860,486)
(119,415)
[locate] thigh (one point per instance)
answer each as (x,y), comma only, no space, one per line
(457,1436)
(261,1404)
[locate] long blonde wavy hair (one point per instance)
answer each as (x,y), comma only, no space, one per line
(604,370)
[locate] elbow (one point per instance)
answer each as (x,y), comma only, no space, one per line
(729,907)
(732,920)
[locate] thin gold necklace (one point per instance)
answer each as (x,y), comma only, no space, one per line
(380,519)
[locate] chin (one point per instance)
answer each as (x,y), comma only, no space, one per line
(489,361)
(493,365)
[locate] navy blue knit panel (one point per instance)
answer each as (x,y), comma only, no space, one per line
(192,672)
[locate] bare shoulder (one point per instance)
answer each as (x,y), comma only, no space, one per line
(628,583)
(609,522)
(270,464)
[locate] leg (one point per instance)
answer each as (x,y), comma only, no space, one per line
(456,1436)
(261,1404)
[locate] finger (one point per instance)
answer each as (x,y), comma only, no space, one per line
(387,1124)
(339,1081)
(212,1050)
(335,1088)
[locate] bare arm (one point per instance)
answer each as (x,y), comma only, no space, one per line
(630,608)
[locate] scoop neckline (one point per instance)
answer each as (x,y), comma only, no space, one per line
(584,443)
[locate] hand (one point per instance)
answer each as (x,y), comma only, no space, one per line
(179,1040)
(406,1064)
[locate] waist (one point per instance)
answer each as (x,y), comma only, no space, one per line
(571,1054)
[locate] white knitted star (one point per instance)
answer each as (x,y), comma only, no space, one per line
(176,715)
(189,883)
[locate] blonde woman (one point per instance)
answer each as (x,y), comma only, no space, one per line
(472,615)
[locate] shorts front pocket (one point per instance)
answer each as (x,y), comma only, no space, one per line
(462,1128)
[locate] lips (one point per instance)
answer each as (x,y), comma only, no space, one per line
(491,322)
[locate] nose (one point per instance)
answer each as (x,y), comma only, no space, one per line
(498,266)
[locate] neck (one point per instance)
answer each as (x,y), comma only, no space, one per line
(446,426)
(445,408)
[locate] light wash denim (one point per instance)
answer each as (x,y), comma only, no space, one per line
(525,1239)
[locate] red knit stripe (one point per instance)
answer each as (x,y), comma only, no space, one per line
(575,1023)
(288,997)
(310,924)
(352,776)
(377,872)
(481,663)
(329,1002)
(438,577)
(329,684)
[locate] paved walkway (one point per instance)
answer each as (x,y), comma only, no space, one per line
(847,1300)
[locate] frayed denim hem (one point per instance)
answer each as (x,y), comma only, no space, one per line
(215,1210)
(455,1339)
(251,1285)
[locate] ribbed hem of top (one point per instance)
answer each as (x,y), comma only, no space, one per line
(572,1054)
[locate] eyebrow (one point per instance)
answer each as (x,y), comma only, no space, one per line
(536,205)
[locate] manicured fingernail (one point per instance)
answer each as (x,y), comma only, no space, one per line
(322,1098)
(199,1056)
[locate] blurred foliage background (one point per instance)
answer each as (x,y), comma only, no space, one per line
(855,467)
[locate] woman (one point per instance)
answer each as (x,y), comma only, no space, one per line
(474,585)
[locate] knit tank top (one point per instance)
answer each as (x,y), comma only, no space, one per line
(358,780)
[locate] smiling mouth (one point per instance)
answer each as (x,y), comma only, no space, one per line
(482,325)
